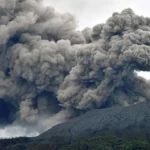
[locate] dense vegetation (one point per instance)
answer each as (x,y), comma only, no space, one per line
(95,143)
(90,143)
(15,143)
(109,143)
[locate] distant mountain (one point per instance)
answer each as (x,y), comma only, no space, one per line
(121,122)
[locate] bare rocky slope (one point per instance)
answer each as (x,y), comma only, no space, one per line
(118,120)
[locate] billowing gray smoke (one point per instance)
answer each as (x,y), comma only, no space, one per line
(105,71)
(36,54)
(49,71)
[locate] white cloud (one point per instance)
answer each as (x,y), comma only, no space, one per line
(16,131)
(144,74)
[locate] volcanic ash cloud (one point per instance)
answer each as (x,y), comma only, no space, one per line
(105,71)
(50,71)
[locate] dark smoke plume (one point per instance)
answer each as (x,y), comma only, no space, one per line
(49,71)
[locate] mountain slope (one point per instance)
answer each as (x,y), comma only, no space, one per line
(122,120)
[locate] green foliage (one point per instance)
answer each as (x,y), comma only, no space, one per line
(49,144)
(89,143)
(135,145)
(96,143)
(109,143)
(15,143)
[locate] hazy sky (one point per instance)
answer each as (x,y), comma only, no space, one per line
(91,12)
